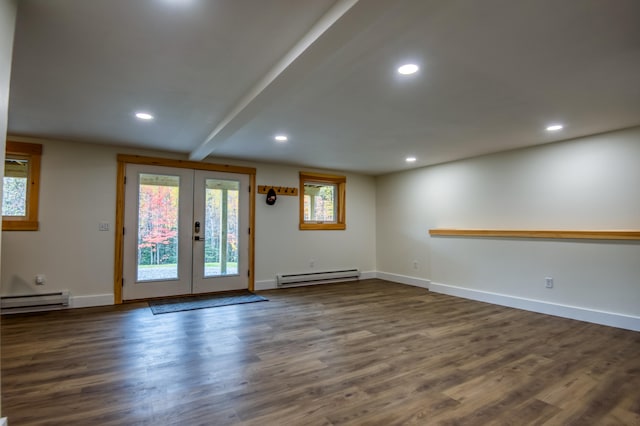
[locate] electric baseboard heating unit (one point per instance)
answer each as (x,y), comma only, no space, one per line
(35,302)
(308,278)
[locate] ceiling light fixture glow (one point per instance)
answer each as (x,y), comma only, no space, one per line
(411,159)
(555,127)
(407,69)
(281,138)
(144,116)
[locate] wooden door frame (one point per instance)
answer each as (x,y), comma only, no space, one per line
(124,159)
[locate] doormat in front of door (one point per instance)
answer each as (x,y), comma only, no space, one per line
(189,303)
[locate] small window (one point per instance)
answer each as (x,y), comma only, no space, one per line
(20,186)
(322,201)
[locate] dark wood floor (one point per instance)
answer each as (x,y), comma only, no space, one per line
(357,353)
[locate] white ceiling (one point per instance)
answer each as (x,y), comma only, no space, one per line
(222,77)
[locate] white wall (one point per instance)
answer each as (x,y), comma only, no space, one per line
(7,27)
(282,248)
(78,189)
(588,183)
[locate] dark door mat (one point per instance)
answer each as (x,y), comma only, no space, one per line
(178,304)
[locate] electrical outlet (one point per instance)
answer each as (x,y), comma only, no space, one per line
(548,282)
(415,264)
(312,263)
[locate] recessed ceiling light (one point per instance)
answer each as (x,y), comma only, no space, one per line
(281,138)
(410,159)
(407,69)
(555,127)
(144,116)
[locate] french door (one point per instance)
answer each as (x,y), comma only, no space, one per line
(186,231)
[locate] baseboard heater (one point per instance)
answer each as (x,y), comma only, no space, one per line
(308,278)
(35,302)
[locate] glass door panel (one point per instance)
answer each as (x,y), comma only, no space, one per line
(158,232)
(221,204)
(221,227)
(157,242)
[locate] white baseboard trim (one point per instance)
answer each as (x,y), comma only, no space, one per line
(265,285)
(612,319)
(92,300)
(368,275)
(403,279)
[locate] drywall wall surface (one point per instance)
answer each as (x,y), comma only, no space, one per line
(594,275)
(282,248)
(588,183)
(78,192)
(402,218)
(579,184)
(7,28)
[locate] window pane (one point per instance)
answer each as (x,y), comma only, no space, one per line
(14,197)
(158,197)
(14,194)
(319,202)
(322,202)
(221,228)
(21,184)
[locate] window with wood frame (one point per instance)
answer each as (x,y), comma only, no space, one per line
(322,201)
(21,186)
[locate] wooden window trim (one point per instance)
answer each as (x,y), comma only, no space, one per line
(33,153)
(341,183)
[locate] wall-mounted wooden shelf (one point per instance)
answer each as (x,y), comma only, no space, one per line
(280,190)
(548,234)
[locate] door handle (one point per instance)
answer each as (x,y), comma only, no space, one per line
(197,238)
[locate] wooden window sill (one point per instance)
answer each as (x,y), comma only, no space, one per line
(19,225)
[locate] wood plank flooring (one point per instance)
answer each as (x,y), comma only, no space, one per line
(366,353)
